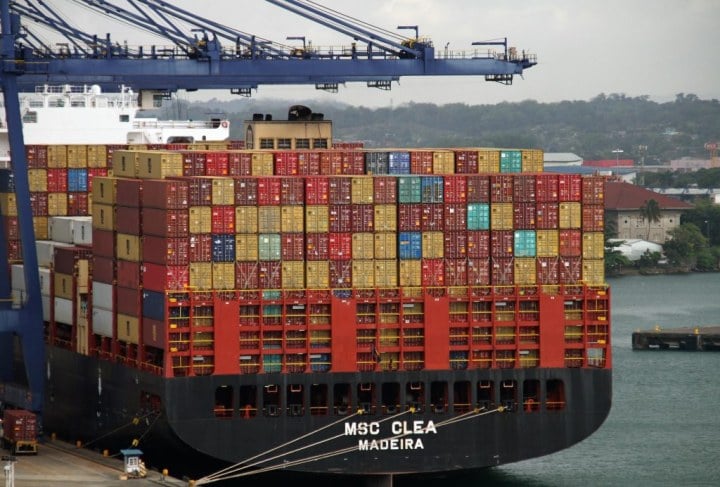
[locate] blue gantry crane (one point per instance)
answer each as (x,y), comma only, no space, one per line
(202,54)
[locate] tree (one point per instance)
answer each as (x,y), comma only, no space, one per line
(650,211)
(684,246)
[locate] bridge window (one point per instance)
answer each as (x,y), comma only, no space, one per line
(302,143)
(486,395)
(320,144)
(267,143)
(284,143)
(390,397)
(30,117)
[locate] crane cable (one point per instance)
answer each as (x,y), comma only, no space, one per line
(239,470)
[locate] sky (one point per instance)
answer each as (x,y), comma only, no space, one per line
(584,48)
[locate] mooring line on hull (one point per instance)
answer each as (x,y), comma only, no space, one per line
(136,420)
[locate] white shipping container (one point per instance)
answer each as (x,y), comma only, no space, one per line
(102,296)
(102,323)
(71,229)
(46,251)
(45,281)
(17,296)
(63,311)
(46,307)
(17,277)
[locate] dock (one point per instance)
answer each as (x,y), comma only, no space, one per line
(63,464)
(694,339)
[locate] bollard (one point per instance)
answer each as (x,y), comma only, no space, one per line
(106,453)
(78,444)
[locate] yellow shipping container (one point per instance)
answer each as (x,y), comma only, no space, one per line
(501,216)
(569,215)
(317,274)
(159,164)
(57,204)
(386,273)
(385,245)
(8,204)
(82,275)
(201,275)
(200,220)
(77,156)
(433,245)
(593,271)
(223,191)
(223,275)
(532,160)
(128,328)
(593,246)
(246,247)
(246,219)
(410,273)
(362,190)
(293,274)
(41,227)
(269,219)
(363,246)
(104,190)
(525,273)
(363,273)
(292,219)
(128,247)
(63,285)
(137,147)
(547,242)
(56,156)
(125,163)
(443,162)
(37,180)
(317,219)
(97,155)
(489,161)
(262,164)
(385,218)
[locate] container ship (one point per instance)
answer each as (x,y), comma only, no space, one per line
(316,307)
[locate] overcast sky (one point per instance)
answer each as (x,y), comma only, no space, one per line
(584,47)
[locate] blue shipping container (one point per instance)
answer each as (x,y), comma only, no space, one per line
(525,243)
(376,162)
(223,248)
(7,181)
(153,305)
(432,189)
(399,163)
(478,216)
(410,245)
(77,180)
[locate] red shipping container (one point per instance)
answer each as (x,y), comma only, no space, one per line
(593,190)
(39,204)
(14,250)
(433,272)
(270,275)
(340,274)
(20,425)
(503,271)
(103,269)
(478,271)
(268,191)
(77,204)
(317,246)
(154,333)
(110,149)
(501,188)
(570,270)
(129,301)
(12,228)
(103,242)
(340,246)
(171,194)
(309,163)
(478,189)
(570,243)
(547,269)
(409,217)
(501,243)
(433,217)
(216,163)
(199,191)
(128,273)
(165,223)
(547,216)
(456,245)
(546,187)
(286,163)
(246,191)
(127,220)
(65,258)
(57,180)
(362,218)
(129,192)
(524,187)
(339,191)
(247,275)
(93,172)
(331,162)
(421,162)
(317,190)
(466,161)
(239,164)
(524,216)
(455,189)
(193,163)
(455,217)
(340,217)
(292,246)
(159,277)
(593,218)
(36,156)
(200,247)
(292,191)
(222,219)
(166,251)
(353,162)
(569,187)
(456,272)
(478,244)
(384,190)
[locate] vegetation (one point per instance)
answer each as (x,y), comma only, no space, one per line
(650,212)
